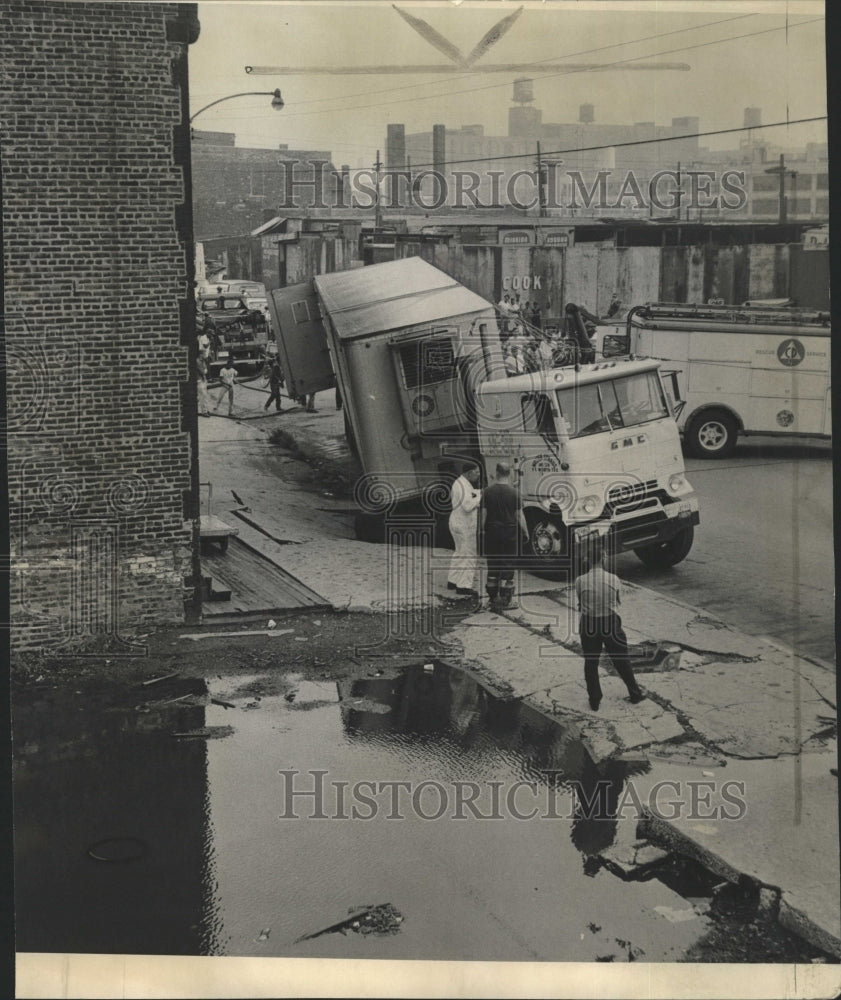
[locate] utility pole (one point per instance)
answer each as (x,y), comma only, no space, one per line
(679,192)
(781,170)
(541,194)
(377,166)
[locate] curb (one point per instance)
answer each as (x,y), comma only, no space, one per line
(790,917)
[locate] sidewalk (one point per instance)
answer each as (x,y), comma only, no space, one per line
(736,707)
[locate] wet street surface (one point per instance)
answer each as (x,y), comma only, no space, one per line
(162,818)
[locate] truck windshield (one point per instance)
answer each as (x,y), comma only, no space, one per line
(605,406)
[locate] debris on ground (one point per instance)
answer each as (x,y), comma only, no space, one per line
(676,916)
(633,861)
(373,917)
(159,680)
(205,733)
(195,636)
(264,934)
(382,919)
(366,705)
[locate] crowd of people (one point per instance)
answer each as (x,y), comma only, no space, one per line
(529,345)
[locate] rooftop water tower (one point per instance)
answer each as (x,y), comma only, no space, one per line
(524,121)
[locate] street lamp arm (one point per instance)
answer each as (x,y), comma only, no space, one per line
(277,100)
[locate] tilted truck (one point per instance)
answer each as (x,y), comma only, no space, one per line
(735,370)
(418,361)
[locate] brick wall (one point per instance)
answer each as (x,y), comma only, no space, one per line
(98,262)
(234,187)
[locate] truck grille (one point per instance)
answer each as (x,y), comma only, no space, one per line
(627,497)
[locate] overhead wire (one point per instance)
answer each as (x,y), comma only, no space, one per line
(536,63)
(606,66)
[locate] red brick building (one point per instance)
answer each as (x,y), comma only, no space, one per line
(98,259)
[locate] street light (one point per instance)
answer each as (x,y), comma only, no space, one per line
(277,100)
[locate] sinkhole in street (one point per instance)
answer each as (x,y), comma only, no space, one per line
(245,814)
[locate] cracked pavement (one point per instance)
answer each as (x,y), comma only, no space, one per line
(737,701)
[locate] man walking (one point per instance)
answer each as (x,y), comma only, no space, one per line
(228,378)
(275,383)
(600,626)
(503,525)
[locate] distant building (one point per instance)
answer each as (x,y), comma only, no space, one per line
(235,188)
(592,168)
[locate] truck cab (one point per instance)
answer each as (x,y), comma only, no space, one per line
(597,451)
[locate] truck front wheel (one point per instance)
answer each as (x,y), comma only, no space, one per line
(711,434)
(669,553)
(549,544)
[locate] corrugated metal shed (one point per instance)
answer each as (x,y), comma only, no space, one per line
(393,295)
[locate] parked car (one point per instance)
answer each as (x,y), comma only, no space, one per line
(247,288)
(259,304)
(236,330)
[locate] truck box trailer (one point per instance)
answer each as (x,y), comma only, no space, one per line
(418,360)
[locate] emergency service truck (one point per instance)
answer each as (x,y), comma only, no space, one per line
(735,370)
(418,361)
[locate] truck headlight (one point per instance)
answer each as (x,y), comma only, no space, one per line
(676,483)
(590,505)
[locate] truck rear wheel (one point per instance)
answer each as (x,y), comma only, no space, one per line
(712,434)
(667,554)
(369,527)
(549,544)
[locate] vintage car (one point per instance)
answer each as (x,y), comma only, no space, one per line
(236,329)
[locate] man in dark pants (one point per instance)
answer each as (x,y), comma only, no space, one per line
(275,384)
(504,522)
(600,626)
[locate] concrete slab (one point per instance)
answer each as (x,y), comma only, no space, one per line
(784,835)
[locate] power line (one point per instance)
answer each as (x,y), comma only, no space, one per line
(610,145)
(609,65)
(636,142)
(535,63)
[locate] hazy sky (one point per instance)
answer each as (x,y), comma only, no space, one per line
(762,54)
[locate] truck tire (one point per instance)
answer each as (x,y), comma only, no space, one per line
(549,545)
(711,434)
(667,554)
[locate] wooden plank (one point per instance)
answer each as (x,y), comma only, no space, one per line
(256,583)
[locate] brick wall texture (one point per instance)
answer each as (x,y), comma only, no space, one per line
(95,285)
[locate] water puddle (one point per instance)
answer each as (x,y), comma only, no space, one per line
(265,814)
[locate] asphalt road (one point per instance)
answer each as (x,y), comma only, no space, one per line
(762,558)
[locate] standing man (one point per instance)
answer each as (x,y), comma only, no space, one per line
(504,522)
(275,383)
(600,626)
(228,378)
(201,386)
(464,500)
(204,346)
